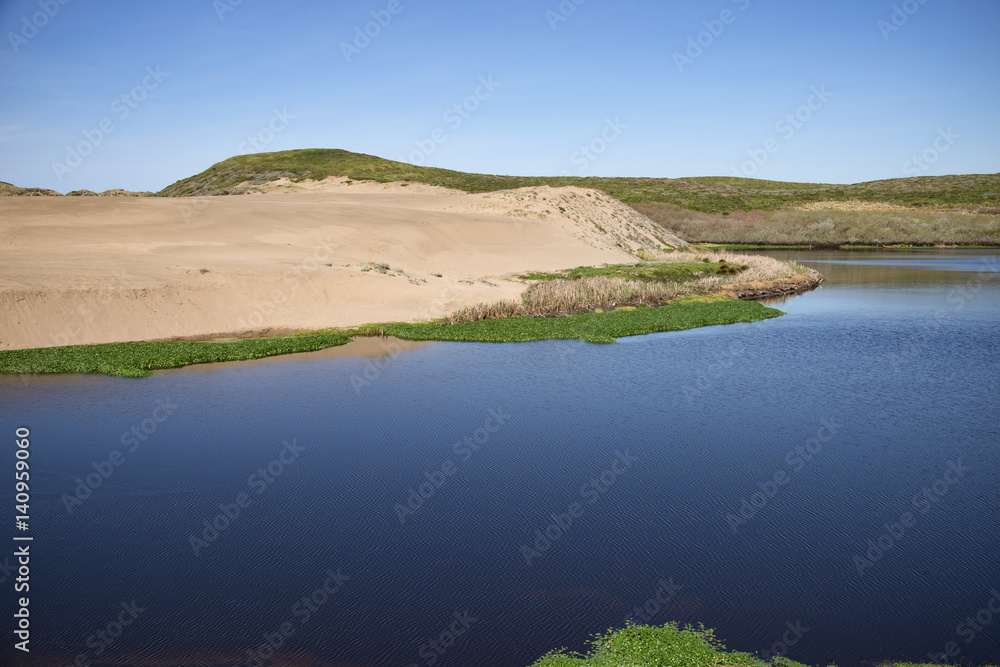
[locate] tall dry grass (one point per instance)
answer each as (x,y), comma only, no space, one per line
(567,297)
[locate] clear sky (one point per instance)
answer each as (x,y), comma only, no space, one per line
(99,94)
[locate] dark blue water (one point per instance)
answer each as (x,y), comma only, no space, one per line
(824,485)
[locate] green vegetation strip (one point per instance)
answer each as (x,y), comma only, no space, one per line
(666,646)
(138,359)
(686,313)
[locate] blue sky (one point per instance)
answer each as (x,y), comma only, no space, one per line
(801,91)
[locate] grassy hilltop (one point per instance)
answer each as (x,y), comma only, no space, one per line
(710,194)
(925,210)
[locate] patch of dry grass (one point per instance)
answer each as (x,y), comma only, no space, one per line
(554,298)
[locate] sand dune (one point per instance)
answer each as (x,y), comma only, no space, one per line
(95,270)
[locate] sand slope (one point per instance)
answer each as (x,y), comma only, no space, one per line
(94,270)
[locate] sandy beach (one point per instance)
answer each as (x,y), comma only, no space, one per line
(84,270)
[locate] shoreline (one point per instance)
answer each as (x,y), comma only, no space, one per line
(749,291)
(142,358)
(760,290)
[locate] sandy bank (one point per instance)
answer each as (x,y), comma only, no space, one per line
(86,270)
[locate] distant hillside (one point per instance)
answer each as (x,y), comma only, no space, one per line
(977,193)
(9,190)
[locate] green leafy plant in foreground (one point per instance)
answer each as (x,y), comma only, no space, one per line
(138,359)
(662,646)
(668,645)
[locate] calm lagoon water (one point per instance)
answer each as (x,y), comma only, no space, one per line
(824,484)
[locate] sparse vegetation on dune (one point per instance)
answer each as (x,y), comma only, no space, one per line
(10,190)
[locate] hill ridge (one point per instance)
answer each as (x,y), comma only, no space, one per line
(975,193)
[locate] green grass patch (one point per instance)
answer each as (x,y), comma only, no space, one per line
(686,313)
(138,359)
(661,272)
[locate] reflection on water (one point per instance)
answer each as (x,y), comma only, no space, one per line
(746,477)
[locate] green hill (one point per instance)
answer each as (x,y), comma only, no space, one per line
(976,193)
